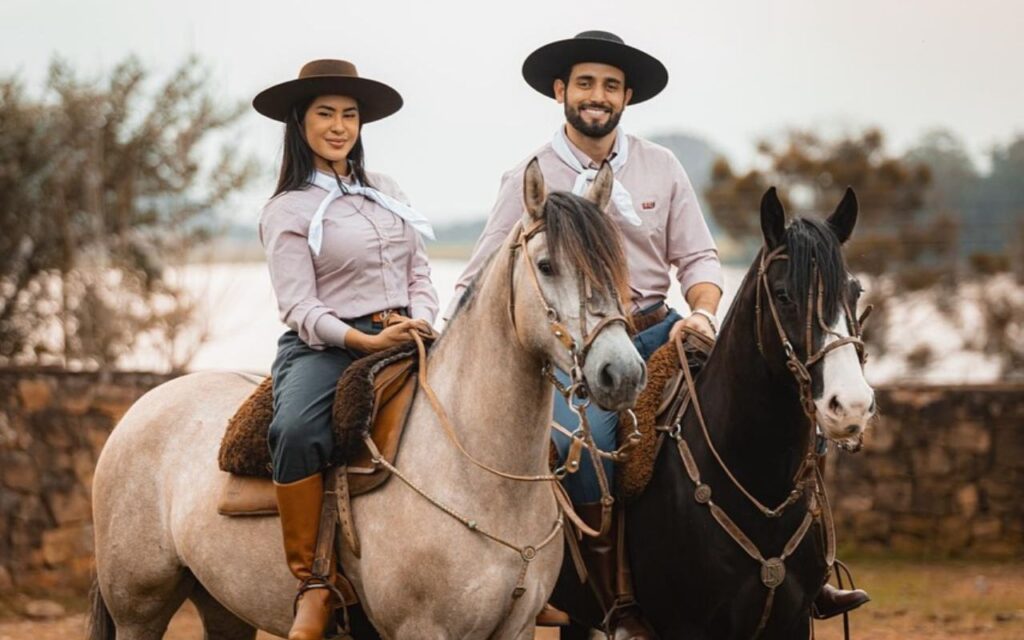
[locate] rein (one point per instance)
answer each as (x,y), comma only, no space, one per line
(808,479)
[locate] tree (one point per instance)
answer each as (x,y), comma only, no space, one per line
(102,187)
(894,234)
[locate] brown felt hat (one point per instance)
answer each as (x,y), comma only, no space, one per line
(329,78)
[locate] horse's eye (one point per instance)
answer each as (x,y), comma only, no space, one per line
(782,295)
(544,266)
(856,288)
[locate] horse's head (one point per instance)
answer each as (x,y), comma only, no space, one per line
(569,281)
(806,301)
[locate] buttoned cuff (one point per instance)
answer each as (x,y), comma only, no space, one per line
(418,312)
(706,268)
(331,330)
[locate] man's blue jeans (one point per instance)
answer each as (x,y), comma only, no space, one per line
(582,486)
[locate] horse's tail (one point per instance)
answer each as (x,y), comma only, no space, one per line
(101,625)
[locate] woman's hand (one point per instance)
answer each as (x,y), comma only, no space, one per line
(395,334)
(422,327)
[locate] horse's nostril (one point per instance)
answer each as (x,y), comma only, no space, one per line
(833,404)
(851,429)
(607,377)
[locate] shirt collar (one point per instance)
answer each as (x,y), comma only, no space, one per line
(586,160)
(347,180)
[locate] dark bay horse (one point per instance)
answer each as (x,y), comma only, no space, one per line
(792,318)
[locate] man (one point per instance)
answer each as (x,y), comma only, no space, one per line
(595,75)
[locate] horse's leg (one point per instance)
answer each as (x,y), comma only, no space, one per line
(143,601)
(218,622)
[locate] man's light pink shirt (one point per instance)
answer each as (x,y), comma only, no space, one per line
(673,232)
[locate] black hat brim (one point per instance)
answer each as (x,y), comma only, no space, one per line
(376,99)
(645,74)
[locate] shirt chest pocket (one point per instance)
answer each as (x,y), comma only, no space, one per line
(652,210)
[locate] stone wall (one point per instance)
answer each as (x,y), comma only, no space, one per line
(941,473)
(52,426)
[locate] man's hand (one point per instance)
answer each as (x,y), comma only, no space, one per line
(695,321)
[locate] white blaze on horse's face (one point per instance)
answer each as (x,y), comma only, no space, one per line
(847,401)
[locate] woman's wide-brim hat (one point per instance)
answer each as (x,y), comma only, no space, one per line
(329,77)
(645,74)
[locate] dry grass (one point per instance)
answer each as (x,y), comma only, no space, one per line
(928,601)
(912,600)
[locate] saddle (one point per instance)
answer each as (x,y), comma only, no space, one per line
(660,400)
(373,397)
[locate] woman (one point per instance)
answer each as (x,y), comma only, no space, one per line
(351,277)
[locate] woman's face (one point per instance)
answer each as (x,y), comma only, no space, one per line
(331,126)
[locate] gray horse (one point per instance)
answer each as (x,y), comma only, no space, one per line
(421,573)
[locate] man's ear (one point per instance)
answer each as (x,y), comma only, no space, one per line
(629,96)
(559,86)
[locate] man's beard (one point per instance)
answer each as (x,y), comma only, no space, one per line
(573,117)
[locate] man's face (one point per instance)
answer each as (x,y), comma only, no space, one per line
(594,98)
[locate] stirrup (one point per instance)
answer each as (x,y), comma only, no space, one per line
(317,582)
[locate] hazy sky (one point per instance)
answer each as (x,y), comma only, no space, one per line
(738,70)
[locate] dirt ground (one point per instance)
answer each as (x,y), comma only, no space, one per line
(912,601)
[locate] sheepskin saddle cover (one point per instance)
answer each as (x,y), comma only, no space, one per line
(373,397)
(666,387)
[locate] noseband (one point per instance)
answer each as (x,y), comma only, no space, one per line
(815,312)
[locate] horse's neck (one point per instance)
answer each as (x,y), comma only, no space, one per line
(754,417)
(499,403)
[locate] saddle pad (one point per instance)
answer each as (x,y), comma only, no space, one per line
(373,396)
(665,383)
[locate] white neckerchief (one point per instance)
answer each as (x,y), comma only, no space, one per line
(620,196)
(416,219)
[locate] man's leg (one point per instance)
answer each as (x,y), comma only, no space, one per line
(605,556)
(831,601)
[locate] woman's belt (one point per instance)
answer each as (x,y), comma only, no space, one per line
(378,318)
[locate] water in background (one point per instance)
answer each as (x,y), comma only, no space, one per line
(239,313)
(240,320)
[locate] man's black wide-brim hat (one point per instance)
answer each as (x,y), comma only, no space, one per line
(645,74)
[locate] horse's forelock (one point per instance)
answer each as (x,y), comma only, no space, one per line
(589,241)
(810,243)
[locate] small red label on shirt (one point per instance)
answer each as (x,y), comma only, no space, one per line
(647,206)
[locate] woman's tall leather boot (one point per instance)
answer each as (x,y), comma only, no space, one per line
(299,503)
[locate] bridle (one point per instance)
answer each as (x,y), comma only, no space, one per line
(577,394)
(814,312)
(577,354)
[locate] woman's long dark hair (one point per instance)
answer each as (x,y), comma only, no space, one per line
(297,160)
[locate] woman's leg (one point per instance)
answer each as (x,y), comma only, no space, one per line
(301,441)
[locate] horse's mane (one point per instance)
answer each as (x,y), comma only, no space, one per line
(577,229)
(811,243)
(589,240)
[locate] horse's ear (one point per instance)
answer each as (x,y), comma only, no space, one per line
(534,193)
(844,218)
(773,219)
(600,191)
